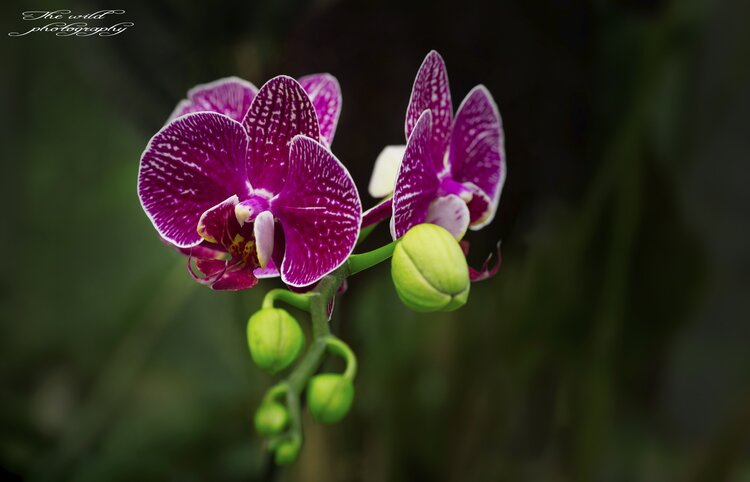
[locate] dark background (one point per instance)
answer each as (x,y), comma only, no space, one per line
(612,346)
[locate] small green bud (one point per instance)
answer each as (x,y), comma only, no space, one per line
(329,397)
(271,418)
(275,339)
(429,270)
(287,451)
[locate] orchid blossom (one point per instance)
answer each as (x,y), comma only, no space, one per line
(256,196)
(451,171)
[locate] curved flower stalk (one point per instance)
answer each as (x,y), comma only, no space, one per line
(452,170)
(247,197)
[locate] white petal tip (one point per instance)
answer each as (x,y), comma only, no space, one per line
(385,171)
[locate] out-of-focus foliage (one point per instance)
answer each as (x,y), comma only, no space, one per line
(611,346)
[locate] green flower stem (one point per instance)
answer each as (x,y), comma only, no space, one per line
(298,300)
(340,348)
(275,392)
(360,262)
(317,303)
(295,416)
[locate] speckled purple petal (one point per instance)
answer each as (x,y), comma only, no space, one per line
(477,153)
(417,182)
(451,213)
(325,94)
(320,212)
(432,92)
(280,111)
(230,96)
(190,165)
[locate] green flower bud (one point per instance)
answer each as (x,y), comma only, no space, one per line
(429,270)
(287,451)
(271,418)
(329,397)
(275,339)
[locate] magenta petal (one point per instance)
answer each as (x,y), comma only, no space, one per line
(223,275)
(212,225)
(377,213)
(431,92)
(320,212)
(190,165)
(477,154)
(204,250)
(325,95)
(486,271)
(480,207)
(270,271)
(240,279)
(230,96)
(417,182)
(280,111)
(210,270)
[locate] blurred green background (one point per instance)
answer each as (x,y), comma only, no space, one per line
(612,346)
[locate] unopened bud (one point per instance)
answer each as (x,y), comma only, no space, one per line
(329,397)
(429,270)
(271,418)
(287,451)
(275,339)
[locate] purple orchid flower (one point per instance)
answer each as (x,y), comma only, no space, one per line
(451,171)
(245,196)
